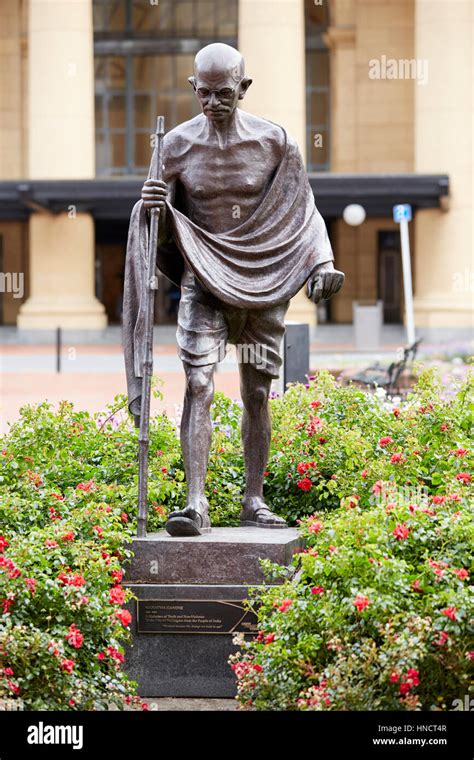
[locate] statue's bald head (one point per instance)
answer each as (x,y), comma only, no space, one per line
(217,60)
(219,80)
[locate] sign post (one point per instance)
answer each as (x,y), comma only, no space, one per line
(402,215)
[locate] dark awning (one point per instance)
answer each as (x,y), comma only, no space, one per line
(114,198)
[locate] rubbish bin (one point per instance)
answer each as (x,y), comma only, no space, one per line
(368,320)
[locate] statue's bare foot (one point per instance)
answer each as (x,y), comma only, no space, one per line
(191,521)
(256,513)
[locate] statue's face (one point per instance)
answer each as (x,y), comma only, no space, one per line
(218,94)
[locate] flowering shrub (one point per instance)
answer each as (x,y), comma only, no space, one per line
(376,618)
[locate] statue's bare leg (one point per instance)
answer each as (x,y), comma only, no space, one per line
(196,431)
(256,433)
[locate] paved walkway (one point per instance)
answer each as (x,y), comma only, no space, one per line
(92,369)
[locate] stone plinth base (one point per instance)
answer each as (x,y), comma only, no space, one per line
(189,593)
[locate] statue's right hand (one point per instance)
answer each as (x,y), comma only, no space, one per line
(154,193)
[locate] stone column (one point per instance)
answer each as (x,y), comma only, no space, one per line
(272,40)
(61,146)
(444,273)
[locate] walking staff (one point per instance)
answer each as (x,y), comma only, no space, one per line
(150,285)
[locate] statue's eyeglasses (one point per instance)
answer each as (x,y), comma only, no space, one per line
(226,92)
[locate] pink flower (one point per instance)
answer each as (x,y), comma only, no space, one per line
(364,473)
(454,497)
(124,517)
(462,574)
(302,467)
(361,602)
(450,612)
(385,441)
(401,531)
(75,637)
(395,458)
(315,526)
(3,544)
(124,616)
(269,638)
(98,530)
(461,452)
(117,595)
(317,590)
(69,536)
(286,603)
(31,584)
(67,665)
(315,404)
(463,477)
(304,484)
(438,499)
(416,586)
(8,672)
(377,487)
(443,427)
(50,543)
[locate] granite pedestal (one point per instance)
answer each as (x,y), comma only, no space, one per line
(189,603)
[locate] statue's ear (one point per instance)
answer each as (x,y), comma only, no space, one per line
(244,85)
(192,82)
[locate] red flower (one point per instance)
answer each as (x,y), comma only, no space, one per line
(413,677)
(385,440)
(364,473)
(115,654)
(3,544)
(31,584)
(72,702)
(361,602)
(124,616)
(144,706)
(258,668)
(394,677)
(401,532)
(397,458)
(73,579)
(405,688)
(67,665)
(117,595)
(304,484)
(443,427)
(450,612)
(322,441)
(75,637)
(124,517)
(69,536)
(269,638)
(416,586)
(463,477)
(100,655)
(286,603)
(462,574)
(461,452)
(164,470)
(443,638)
(57,496)
(86,486)
(438,499)
(13,687)
(8,672)
(117,575)
(315,404)
(317,590)
(396,412)
(98,530)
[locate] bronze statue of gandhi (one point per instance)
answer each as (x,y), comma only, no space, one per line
(242,235)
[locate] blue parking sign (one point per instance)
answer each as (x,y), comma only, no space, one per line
(402,212)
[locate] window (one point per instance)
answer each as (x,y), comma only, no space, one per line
(317,87)
(143,57)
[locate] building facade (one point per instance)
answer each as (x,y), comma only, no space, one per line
(378,94)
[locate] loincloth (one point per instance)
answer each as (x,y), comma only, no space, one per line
(206,325)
